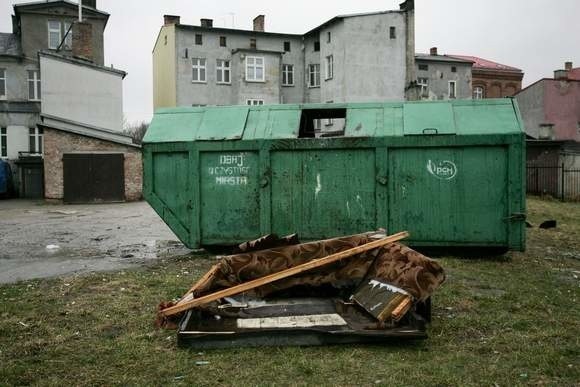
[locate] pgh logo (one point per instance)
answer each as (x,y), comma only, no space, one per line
(444,170)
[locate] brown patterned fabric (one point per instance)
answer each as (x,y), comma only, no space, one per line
(394,263)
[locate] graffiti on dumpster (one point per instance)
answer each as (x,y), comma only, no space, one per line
(231,170)
(444,170)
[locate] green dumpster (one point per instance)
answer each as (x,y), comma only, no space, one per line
(450,172)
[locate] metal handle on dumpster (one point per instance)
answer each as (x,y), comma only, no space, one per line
(515,217)
(430,131)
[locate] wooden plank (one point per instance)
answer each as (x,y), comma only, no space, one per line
(382,300)
(282,274)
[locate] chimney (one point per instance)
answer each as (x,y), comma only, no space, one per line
(170,19)
(90,3)
(568,66)
(433,51)
(82,40)
(408,5)
(259,23)
(561,74)
(207,23)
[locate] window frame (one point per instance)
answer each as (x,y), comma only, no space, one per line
(199,67)
(54,30)
(4,142)
(4,89)
(223,41)
(329,68)
(454,83)
(198,40)
(482,92)
(254,102)
(312,73)
(287,70)
(255,67)
(423,67)
(223,69)
(67,37)
(392,32)
(317,46)
(36,85)
(253,43)
(424,86)
(328,37)
(36,140)
(288,45)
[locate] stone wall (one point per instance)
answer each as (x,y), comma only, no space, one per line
(57,142)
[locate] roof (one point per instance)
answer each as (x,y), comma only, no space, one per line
(574,74)
(485,64)
(441,58)
(10,45)
(271,122)
(82,62)
(341,17)
(226,30)
(69,126)
(46,3)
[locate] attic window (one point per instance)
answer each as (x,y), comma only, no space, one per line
(453,69)
(392,33)
(286,46)
(198,39)
(317,46)
(423,67)
(310,123)
(253,43)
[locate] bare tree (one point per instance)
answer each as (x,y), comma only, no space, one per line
(136,131)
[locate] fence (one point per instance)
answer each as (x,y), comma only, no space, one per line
(556,181)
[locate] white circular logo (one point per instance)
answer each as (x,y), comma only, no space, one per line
(444,170)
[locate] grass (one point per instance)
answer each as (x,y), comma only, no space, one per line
(511,320)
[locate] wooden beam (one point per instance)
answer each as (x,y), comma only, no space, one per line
(182,306)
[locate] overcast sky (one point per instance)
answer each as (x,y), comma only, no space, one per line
(537,36)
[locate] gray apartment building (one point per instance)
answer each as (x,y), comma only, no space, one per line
(441,77)
(357,57)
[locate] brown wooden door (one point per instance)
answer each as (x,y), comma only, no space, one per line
(93,177)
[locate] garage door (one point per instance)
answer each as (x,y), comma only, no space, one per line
(93,177)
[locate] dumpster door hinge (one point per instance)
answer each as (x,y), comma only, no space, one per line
(516,217)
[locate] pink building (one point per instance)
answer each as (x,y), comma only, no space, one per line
(550,107)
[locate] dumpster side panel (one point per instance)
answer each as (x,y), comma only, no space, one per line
(455,195)
(323,193)
(230,196)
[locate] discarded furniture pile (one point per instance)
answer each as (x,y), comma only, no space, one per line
(276,291)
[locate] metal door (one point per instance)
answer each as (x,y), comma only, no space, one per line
(93,177)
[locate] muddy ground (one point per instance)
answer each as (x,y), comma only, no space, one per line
(39,240)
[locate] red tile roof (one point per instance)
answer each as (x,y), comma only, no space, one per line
(574,74)
(480,63)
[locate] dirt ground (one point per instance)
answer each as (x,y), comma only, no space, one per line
(39,240)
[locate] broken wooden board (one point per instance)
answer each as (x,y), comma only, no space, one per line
(383,300)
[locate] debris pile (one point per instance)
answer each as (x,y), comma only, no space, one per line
(276,291)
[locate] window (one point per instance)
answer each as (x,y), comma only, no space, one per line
(328,37)
(33,85)
(423,67)
(223,71)
(478,92)
(253,43)
(54,37)
(314,75)
(286,46)
(2,83)
(223,41)
(254,69)
(329,67)
(317,46)
(185,53)
(392,32)
(317,124)
(329,121)
(35,141)
(452,89)
(3,143)
(287,75)
(424,84)
(198,69)
(255,102)
(198,39)
(453,69)
(68,36)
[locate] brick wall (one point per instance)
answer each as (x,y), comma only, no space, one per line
(57,142)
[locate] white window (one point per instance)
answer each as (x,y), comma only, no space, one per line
(478,92)
(3,143)
(317,124)
(2,83)
(255,102)
(35,140)
(223,71)
(314,75)
(287,75)
(54,36)
(452,89)
(34,85)
(255,69)
(68,37)
(423,83)
(198,69)
(329,67)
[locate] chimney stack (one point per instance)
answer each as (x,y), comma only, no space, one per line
(170,19)
(207,23)
(561,74)
(568,66)
(82,40)
(433,51)
(407,5)
(90,3)
(259,23)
